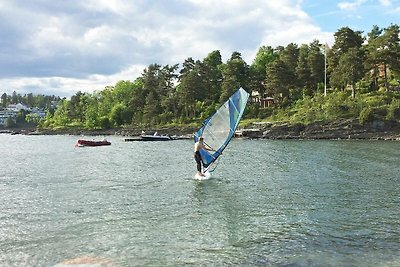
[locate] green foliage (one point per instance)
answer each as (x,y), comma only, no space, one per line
(32,118)
(293,76)
(393,110)
(366,115)
(9,123)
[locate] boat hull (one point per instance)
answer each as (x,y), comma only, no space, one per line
(92,143)
(155,138)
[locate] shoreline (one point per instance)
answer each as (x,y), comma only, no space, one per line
(343,129)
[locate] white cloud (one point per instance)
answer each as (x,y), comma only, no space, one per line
(62,86)
(351,5)
(385,2)
(91,44)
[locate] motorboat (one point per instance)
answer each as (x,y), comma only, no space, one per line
(82,142)
(147,137)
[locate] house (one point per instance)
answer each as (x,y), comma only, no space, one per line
(264,101)
(5,114)
(12,110)
(18,107)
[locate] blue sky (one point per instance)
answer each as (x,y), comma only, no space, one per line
(60,47)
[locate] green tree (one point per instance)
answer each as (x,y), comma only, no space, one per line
(303,72)
(9,123)
(92,116)
(152,108)
(264,57)
(278,80)
(213,75)
(120,115)
(60,117)
(76,108)
(383,50)
(345,38)
(188,90)
(290,55)
(351,64)
(32,118)
(30,100)
(316,61)
(4,100)
(14,98)
(236,74)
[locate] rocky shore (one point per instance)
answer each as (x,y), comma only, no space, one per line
(340,129)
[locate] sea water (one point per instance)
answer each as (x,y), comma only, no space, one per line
(268,203)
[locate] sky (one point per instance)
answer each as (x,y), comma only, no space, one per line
(62,47)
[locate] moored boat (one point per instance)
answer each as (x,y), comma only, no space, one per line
(82,142)
(155,137)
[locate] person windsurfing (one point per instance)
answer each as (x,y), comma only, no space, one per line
(197,147)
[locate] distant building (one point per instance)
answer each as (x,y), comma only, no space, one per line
(264,101)
(12,110)
(5,114)
(18,107)
(40,112)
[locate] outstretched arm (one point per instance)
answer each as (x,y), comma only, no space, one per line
(207,147)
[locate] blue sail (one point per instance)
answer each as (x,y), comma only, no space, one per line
(218,129)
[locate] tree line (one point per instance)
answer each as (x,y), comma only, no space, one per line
(193,90)
(30,100)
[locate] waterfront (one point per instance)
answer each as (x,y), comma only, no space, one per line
(274,203)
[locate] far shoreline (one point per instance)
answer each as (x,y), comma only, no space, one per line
(343,129)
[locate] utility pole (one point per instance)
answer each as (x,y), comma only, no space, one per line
(325,69)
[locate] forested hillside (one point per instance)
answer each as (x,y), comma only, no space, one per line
(357,76)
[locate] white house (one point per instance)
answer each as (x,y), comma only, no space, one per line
(18,107)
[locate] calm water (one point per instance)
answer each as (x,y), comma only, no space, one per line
(269,203)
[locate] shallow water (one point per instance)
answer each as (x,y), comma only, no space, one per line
(274,203)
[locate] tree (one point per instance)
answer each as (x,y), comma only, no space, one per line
(213,75)
(152,79)
(152,107)
(30,100)
(92,116)
(290,55)
(345,38)
(4,100)
(236,74)
(188,89)
(303,72)
(351,64)
(76,108)
(264,57)
(61,117)
(120,115)
(14,98)
(383,51)
(278,80)
(316,62)
(9,123)
(32,118)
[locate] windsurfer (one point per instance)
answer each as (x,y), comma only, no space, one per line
(197,147)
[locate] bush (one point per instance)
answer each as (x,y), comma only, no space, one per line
(366,115)
(105,122)
(265,112)
(393,110)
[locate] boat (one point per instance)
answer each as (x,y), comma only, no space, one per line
(150,137)
(147,137)
(82,142)
(218,129)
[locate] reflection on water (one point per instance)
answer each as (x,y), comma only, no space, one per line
(301,203)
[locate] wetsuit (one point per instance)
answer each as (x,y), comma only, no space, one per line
(198,159)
